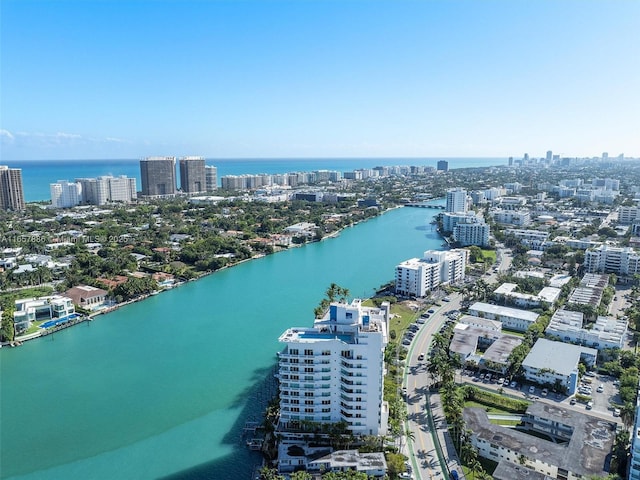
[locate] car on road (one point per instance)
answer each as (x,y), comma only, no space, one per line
(513,384)
(431,310)
(589,405)
(572,401)
(600,388)
(446,299)
(405,475)
(544,392)
(421,357)
(616,412)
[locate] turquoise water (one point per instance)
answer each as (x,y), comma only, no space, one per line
(38,174)
(162,388)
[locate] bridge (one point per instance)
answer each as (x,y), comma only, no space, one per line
(425,205)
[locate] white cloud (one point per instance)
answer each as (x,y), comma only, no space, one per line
(6,135)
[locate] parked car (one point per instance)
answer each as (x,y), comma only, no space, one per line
(589,405)
(513,384)
(600,388)
(545,392)
(616,412)
(572,401)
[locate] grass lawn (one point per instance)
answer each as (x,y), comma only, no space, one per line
(32,292)
(489,409)
(402,317)
(489,255)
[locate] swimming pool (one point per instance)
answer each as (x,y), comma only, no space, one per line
(58,321)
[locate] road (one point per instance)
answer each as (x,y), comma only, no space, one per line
(422,449)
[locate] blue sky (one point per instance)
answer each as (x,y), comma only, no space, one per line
(331,78)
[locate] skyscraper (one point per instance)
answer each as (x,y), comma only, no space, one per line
(192,175)
(211,178)
(158,176)
(549,155)
(443,166)
(456,200)
(11,193)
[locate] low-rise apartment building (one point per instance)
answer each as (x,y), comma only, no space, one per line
(581,447)
(556,363)
(511,318)
(606,332)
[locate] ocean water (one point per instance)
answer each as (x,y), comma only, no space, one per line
(38,174)
(162,388)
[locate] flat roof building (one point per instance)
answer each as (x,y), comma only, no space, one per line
(158,176)
(555,363)
(11,190)
(334,371)
(511,318)
(581,448)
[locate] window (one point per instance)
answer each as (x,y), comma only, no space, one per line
(293,351)
(308,352)
(308,394)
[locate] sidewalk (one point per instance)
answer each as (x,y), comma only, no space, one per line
(445,442)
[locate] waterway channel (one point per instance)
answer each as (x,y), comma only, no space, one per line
(162,388)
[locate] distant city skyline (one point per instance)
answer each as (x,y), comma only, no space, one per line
(316,79)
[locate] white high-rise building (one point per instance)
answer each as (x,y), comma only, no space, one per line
(419,276)
(334,371)
(211,178)
(472,233)
(101,190)
(65,194)
(456,200)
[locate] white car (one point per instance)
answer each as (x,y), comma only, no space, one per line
(532,389)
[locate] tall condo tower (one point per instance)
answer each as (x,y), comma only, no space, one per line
(211,178)
(11,192)
(158,176)
(443,166)
(192,175)
(456,200)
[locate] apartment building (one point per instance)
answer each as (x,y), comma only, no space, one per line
(158,176)
(551,363)
(456,200)
(510,318)
(580,448)
(192,175)
(606,332)
(472,233)
(417,277)
(11,190)
(623,261)
(65,194)
(333,371)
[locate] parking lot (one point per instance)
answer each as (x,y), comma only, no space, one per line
(602,401)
